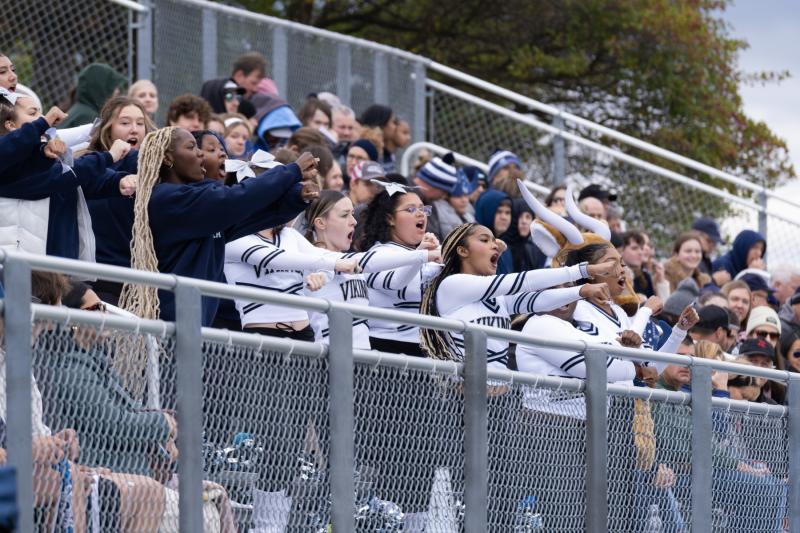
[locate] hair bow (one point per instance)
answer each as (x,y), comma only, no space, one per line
(260,159)
(393,188)
(11,97)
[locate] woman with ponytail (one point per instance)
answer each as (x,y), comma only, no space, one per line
(467,289)
(183,219)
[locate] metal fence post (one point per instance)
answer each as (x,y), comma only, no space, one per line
(209,47)
(144,42)
(17,314)
(280,55)
(762,213)
(559,153)
(793,437)
(189,358)
(701,446)
(380,81)
(476,437)
(343,66)
(596,442)
(341,419)
(418,131)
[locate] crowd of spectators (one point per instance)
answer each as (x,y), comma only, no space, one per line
(240,187)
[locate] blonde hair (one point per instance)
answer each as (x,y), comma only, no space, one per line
(142,300)
(708,350)
(138,85)
(241,120)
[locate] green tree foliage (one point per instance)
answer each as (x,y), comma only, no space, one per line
(661,70)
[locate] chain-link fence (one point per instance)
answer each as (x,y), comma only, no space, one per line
(51,42)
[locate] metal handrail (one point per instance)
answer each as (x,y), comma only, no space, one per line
(616,154)
(130,4)
(603,130)
(411,152)
(221,290)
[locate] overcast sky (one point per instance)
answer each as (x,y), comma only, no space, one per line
(770,26)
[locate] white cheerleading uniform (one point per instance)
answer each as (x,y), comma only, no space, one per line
(399,289)
(352,288)
(490,301)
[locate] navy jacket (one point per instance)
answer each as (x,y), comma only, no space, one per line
(485,210)
(192,222)
(20,145)
(735,260)
(112,220)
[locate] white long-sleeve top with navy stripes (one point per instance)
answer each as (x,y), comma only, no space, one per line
(491,300)
(399,289)
(352,288)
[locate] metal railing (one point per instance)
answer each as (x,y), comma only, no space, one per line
(491,423)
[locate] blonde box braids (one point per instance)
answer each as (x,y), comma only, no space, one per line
(439,344)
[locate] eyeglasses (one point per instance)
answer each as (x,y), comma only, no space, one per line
(230,97)
(772,335)
(99,306)
(412,210)
(359,158)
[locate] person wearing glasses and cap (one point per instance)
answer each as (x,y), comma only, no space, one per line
(764,324)
(760,352)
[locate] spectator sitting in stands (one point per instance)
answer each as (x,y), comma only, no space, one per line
(505,168)
(324,162)
(382,117)
(273,121)
(524,253)
(346,128)
(790,312)
(304,137)
(592,207)
(734,329)
(597,192)
(763,323)
(8,74)
(686,256)
(456,209)
(237,137)
(146,93)
(747,251)
(435,180)
(789,353)
(761,353)
(761,294)
(710,238)
(739,299)
(96,84)
(315,114)
(673,377)
(402,136)
(334,179)
(614,219)
(216,124)
(713,298)
(785,279)
(713,325)
(685,294)
(189,112)
(632,253)
(247,72)
(556,200)
(493,210)
(223,97)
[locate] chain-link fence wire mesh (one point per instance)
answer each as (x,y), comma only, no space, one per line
(99,455)
(749,489)
(408,450)
(659,205)
(537,449)
(51,42)
(312,60)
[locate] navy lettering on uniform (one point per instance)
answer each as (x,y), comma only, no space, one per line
(353,288)
(502,322)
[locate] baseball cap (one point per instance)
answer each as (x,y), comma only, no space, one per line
(709,227)
(368,170)
(763,316)
(712,317)
(596,191)
(756,283)
(757,347)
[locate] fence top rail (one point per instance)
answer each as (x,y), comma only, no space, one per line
(309,30)
(600,148)
(221,290)
(603,130)
(131,5)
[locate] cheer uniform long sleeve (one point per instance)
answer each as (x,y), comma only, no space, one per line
(19,145)
(545,300)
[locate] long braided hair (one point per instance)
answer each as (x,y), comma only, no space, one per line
(142,300)
(439,344)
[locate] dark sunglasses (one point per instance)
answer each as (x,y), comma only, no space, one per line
(796,354)
(230,96)
(772,335)
(742,381)
(99,306)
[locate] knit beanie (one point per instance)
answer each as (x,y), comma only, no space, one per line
(368,147)
(501,159)
(686,293)
(440,173)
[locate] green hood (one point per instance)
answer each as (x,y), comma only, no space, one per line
(96,84)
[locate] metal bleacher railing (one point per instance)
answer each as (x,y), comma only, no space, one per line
(302,435)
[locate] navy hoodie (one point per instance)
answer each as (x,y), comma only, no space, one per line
(39,177)
(19,145)
(735,260)
(192,222)
(112,220)
(485,210)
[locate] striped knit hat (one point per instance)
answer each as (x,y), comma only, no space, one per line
(501,159)
(440,173)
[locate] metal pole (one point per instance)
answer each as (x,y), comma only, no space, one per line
(762,214)
(701,447)
(476,428)
(559,153)
(340,385)
(596,442)
(189,358)
(792,438)
(144,42)
(418,129)
(380,77)
(17,314)
(280,54)
(209,47)
(343,67)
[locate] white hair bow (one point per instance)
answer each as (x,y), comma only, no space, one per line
(11,97)
(393,188)
(260,159)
